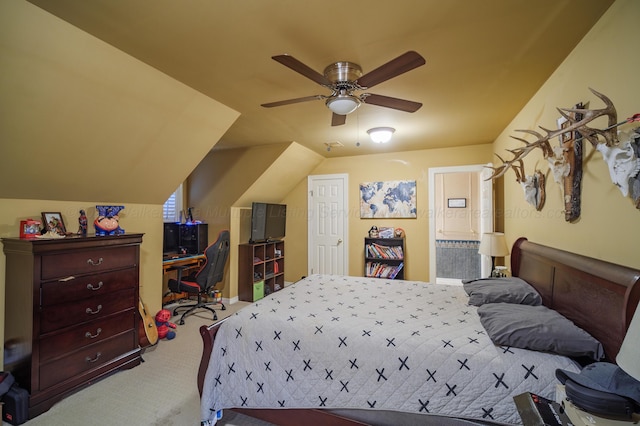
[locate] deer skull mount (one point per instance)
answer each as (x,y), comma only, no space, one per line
(565,160)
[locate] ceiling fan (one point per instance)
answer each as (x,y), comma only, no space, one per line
(345,78)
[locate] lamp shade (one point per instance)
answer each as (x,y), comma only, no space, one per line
(493,244)
(343,104)
(629,356)
(381,134)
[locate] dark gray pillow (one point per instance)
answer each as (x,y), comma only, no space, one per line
(501,290)
(537,328)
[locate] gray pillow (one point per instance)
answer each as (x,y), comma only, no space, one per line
(537,328)
(501,290)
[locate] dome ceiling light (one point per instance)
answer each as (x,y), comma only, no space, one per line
(381,134)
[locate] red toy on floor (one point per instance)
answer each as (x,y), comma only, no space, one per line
(164,326)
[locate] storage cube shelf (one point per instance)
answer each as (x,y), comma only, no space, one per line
(260,269)
(384,258)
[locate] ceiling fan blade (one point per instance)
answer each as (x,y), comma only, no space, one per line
(389,102)
(400,65)
(299,67)
(292,101)
(338,120)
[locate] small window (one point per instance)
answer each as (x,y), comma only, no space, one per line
(173,206)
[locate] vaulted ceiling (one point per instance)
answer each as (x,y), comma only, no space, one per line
(484,60)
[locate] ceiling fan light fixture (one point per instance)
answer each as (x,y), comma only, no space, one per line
(381,134)
(343,104)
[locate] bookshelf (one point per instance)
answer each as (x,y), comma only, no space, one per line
(384,258)
(260,270)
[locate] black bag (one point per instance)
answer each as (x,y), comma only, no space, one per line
(16,400)
(597,402)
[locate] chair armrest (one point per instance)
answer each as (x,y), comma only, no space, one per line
(179,270)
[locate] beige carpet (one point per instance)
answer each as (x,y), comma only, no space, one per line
(160,391)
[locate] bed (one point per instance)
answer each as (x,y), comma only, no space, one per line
(353,350)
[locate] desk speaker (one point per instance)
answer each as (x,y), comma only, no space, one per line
(194,238)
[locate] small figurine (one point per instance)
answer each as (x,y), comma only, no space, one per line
(164,326)
(107,221)
(82,223)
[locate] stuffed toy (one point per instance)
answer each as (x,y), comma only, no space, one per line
(164,326)
(107,221)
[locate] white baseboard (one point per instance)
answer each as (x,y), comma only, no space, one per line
(230,301)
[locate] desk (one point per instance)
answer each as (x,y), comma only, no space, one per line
(189,263)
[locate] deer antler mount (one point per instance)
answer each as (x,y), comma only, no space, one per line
(565,160)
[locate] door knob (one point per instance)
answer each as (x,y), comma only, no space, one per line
(339,240)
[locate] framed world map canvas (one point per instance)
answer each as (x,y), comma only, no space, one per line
(391,199)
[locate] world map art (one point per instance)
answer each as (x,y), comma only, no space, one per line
(392,199)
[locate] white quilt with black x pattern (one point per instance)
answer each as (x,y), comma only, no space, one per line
(352,342)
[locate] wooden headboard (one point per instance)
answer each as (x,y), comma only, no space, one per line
(599,297)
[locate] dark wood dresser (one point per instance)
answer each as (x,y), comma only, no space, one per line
(71,312)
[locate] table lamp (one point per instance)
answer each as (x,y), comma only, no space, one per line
(493,244)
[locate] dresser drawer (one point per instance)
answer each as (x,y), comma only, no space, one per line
(83,287)
(56,345)
(85,359)
(87,261)
(72,313)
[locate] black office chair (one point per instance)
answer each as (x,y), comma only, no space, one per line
(204,281)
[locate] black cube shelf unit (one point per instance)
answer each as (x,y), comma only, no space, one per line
(384,258)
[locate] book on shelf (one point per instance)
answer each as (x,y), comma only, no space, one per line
(384,252)
(382,270)
(396,270)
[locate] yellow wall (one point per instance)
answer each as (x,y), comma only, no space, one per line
(606,60)
(80,119)
(412,165)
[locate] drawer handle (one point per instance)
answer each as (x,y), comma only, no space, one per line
(98,355)
(88,334)
(91,287)
(91,262)
(89,311)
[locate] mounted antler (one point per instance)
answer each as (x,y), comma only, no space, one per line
(542,141)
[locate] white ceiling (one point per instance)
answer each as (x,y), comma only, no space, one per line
(484,60)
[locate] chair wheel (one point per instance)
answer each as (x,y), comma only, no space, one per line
(224,308)
(181,322)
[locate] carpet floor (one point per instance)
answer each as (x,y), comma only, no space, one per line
(160,391)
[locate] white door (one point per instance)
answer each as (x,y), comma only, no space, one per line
(328,224)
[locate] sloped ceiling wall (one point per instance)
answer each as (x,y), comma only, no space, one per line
(81,120)
(236,177)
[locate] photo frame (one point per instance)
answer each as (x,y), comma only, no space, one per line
(53,222)
(456,203)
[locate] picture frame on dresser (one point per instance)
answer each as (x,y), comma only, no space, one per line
(53,222)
